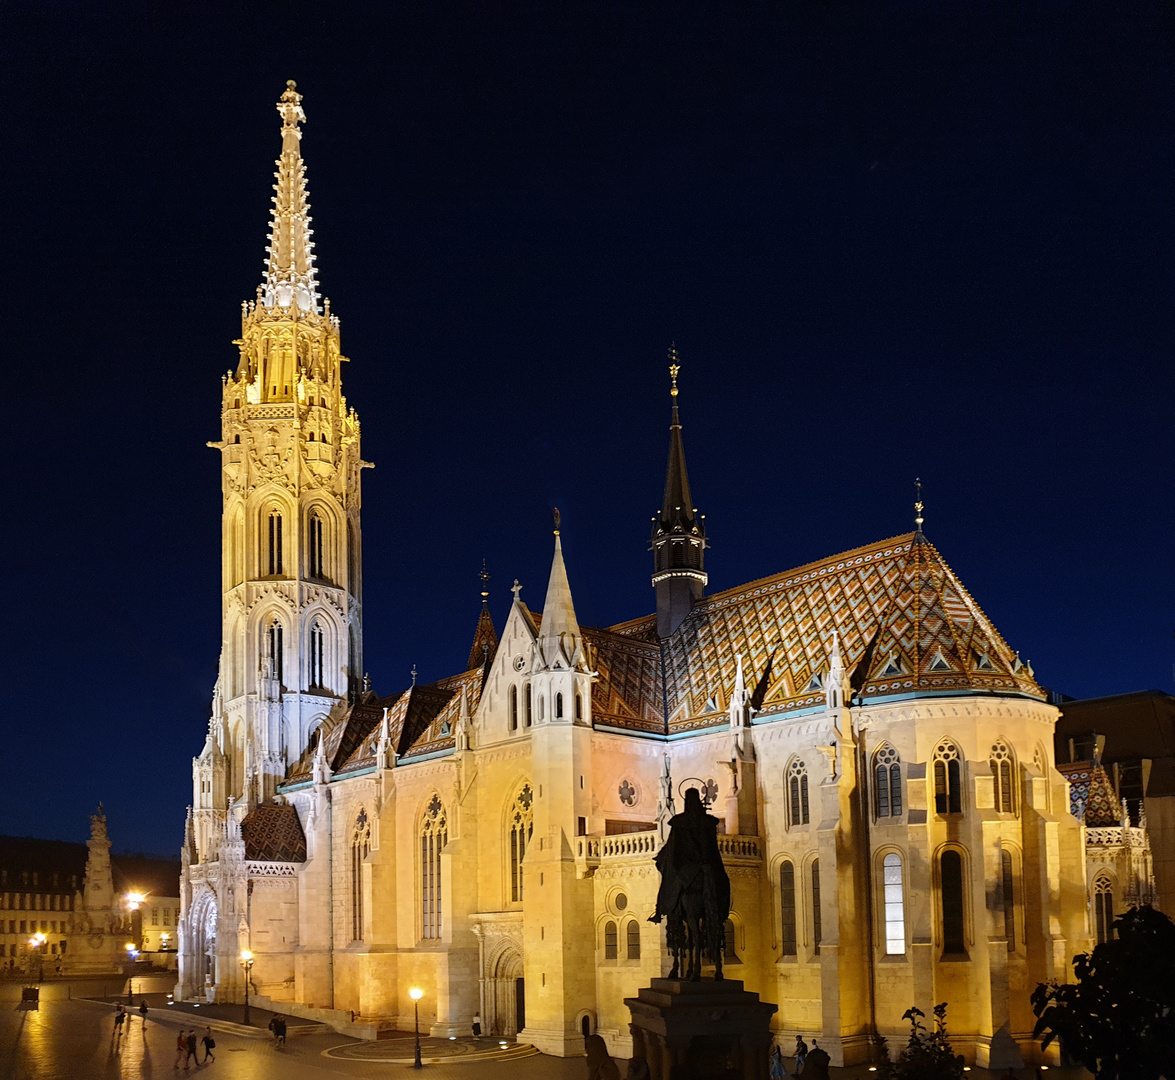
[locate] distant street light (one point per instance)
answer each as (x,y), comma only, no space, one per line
(132,954)
(37,942)
(416,994)
(247,964)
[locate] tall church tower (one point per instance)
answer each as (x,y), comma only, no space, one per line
(679,532)
(290,467)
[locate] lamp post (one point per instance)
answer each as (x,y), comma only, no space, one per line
(416,994)
(37,941)
(132,955)
(247,964)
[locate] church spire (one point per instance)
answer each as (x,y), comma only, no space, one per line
(559,636)
(289,268)
(679,532)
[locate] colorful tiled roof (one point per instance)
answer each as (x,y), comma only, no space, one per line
(906,624)
(273,833)
(1078,774)
(1102,808)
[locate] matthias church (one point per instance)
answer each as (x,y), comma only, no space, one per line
(881,762)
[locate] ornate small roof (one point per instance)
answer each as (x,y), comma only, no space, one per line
(273,833)
(1102,808)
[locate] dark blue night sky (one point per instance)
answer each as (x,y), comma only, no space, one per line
(888,240)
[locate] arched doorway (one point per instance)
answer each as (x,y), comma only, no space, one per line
(506,994)
(203,924)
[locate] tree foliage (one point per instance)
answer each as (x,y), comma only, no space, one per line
(927,1055)
(1118,1018)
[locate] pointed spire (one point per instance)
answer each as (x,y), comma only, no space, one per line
(485,637)
(290,275)
(837,689)
(559,634)
(677,508)
(679,532)
(738,712)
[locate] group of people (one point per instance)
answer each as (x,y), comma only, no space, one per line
(817,1058)
(186,1046)
(122,1018)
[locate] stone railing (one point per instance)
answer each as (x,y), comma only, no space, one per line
(1115,836)
(590,851)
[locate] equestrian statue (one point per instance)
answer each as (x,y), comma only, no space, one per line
(694,897)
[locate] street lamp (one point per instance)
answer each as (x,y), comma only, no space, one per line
(131,954)
(37,941)
(416,994)
(247,964)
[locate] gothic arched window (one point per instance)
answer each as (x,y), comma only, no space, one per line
(787,906)
(610,941)
(316,562)
(797,788)
(1001,775)
(559,706)
(894,904)
(360,849)
(521,827)
(317,656)
(1103,908)
(948,779)
(887,783)
(578,706)
(273,644)
(514,708)
(816,927)
(434,835)
(633,936)
(529,705)
(729,955)
(951,867)
(275,543)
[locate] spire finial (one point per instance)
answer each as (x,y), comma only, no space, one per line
(485,584)
(558,520)
(516,589)
(674,368)
(918,519)
(413,674)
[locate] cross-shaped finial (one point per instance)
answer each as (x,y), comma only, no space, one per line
(516,589)
(918,503)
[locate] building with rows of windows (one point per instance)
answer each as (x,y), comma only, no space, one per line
(882,763)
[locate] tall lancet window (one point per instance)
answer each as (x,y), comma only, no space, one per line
(1103,908)
(273,644)
(434,835)
(274,566)
(797,789)
(317,656)
(948,779)
(1001,775)
(316,564)
(360,849)
(887,783)
(521,826)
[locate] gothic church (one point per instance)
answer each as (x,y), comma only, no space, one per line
(893,824)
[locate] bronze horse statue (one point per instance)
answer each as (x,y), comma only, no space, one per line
(694,897)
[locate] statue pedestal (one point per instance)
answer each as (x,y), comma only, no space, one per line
(705,1030)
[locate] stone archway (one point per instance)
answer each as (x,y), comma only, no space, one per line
(505,993)
(202,923)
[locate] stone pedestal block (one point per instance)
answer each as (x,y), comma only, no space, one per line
(707,1030)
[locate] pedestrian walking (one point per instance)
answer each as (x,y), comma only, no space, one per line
(209,1046)
(281,1031)
(181,1048)
(477,1025)
(119,1020)
(778,1069)
(272,1025)
(801,1056)
(191,1043)
(143,1010)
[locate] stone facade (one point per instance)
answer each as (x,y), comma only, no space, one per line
(894,827)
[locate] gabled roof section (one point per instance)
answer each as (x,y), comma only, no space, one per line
(273,833)
(895,600)
(627,693)
(440,731)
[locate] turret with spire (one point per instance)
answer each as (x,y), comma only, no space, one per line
(679,532)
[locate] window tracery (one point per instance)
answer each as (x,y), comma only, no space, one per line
(948,779)
(434,835)
(1103,908)
(797,788)
(887,783)
(1001,762)
(360,849)
(521,828)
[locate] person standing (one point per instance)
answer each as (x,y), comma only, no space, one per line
(119,1020)
(143,1010)
(778,1069)
(209,1046)
(272,1025)
(477,1025)
(181,1048)
(281,1031)
(191,1045)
